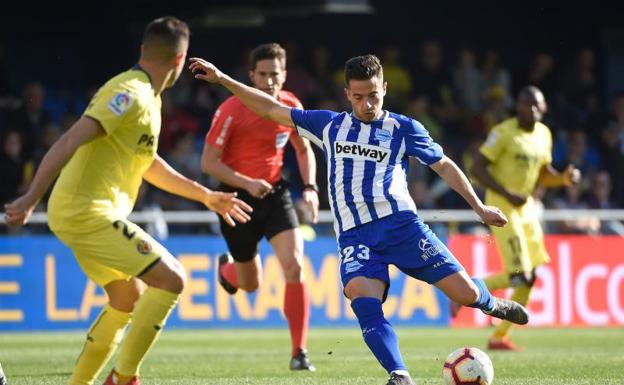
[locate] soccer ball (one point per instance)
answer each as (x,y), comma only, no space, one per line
(468,366)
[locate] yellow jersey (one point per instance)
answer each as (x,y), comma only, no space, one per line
(103,177)
(517,156)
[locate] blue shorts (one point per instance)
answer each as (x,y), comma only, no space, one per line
(400,239)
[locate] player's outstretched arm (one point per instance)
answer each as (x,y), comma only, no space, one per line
(83,131)
(550,177)
(448,170)
(256,100)
(163,176)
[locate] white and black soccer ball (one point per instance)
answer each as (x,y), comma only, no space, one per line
(468,366)
(2,377)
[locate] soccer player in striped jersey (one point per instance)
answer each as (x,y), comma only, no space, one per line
(367,154)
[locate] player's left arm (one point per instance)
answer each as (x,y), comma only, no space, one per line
(550,177)
(256,100)
(419,144)
(307,168)
(451,173)
(163,176)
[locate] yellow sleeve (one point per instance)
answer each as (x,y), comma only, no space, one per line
(111,106)
(549,140)
(494,144)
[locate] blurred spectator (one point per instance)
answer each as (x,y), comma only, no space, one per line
(600,198)
(466,79)
(580,88)
(82,100)
(494,112)
(322,73)
(16,170)
(298,79)
(51,133)
(183,94)
(600,194)
(241,71)
(30,118)
(419,191)
(175,120)
(184,158)
(467,160)
(571,200)
(495,77)
(397,76)
(575,149)
(542,75)
(612,148)
(432,78)
(4,74)
(420,109)
(424,198)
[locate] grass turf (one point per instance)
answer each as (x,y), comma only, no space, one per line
(261,356)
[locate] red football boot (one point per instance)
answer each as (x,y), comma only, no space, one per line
(112,379)
(504,344)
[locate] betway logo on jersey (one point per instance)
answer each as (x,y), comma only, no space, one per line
(352,150)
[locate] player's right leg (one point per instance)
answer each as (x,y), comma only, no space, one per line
(165,281)
(365,279)
(518,271)
(241,268)
(283,233)
(367,295)
(532,254)
(107,330)
(510,243)
(118,251)
(288,247)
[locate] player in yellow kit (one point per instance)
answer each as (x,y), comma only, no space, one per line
(102,160)
(513,160)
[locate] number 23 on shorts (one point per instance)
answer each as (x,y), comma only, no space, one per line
(349,253)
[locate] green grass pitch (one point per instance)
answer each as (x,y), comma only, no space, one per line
(260,357)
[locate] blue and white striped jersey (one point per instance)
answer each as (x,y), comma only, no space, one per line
(366,162)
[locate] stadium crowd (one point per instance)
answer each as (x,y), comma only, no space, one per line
(458,96)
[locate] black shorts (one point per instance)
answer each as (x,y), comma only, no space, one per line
(271,215)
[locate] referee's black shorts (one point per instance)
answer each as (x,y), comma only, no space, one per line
(271,215)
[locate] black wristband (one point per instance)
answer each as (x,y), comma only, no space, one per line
(311,187)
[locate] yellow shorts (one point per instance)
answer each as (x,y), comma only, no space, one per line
(118,250)
(520,242)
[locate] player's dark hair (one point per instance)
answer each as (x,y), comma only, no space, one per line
(362,68)
(165,37)
(529,91)
(267,51)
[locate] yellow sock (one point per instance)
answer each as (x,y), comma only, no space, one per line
(521,295)
(497,281)
(102,339)
(149,317)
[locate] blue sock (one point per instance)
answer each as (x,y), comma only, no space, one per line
(486,300)
(378,333)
